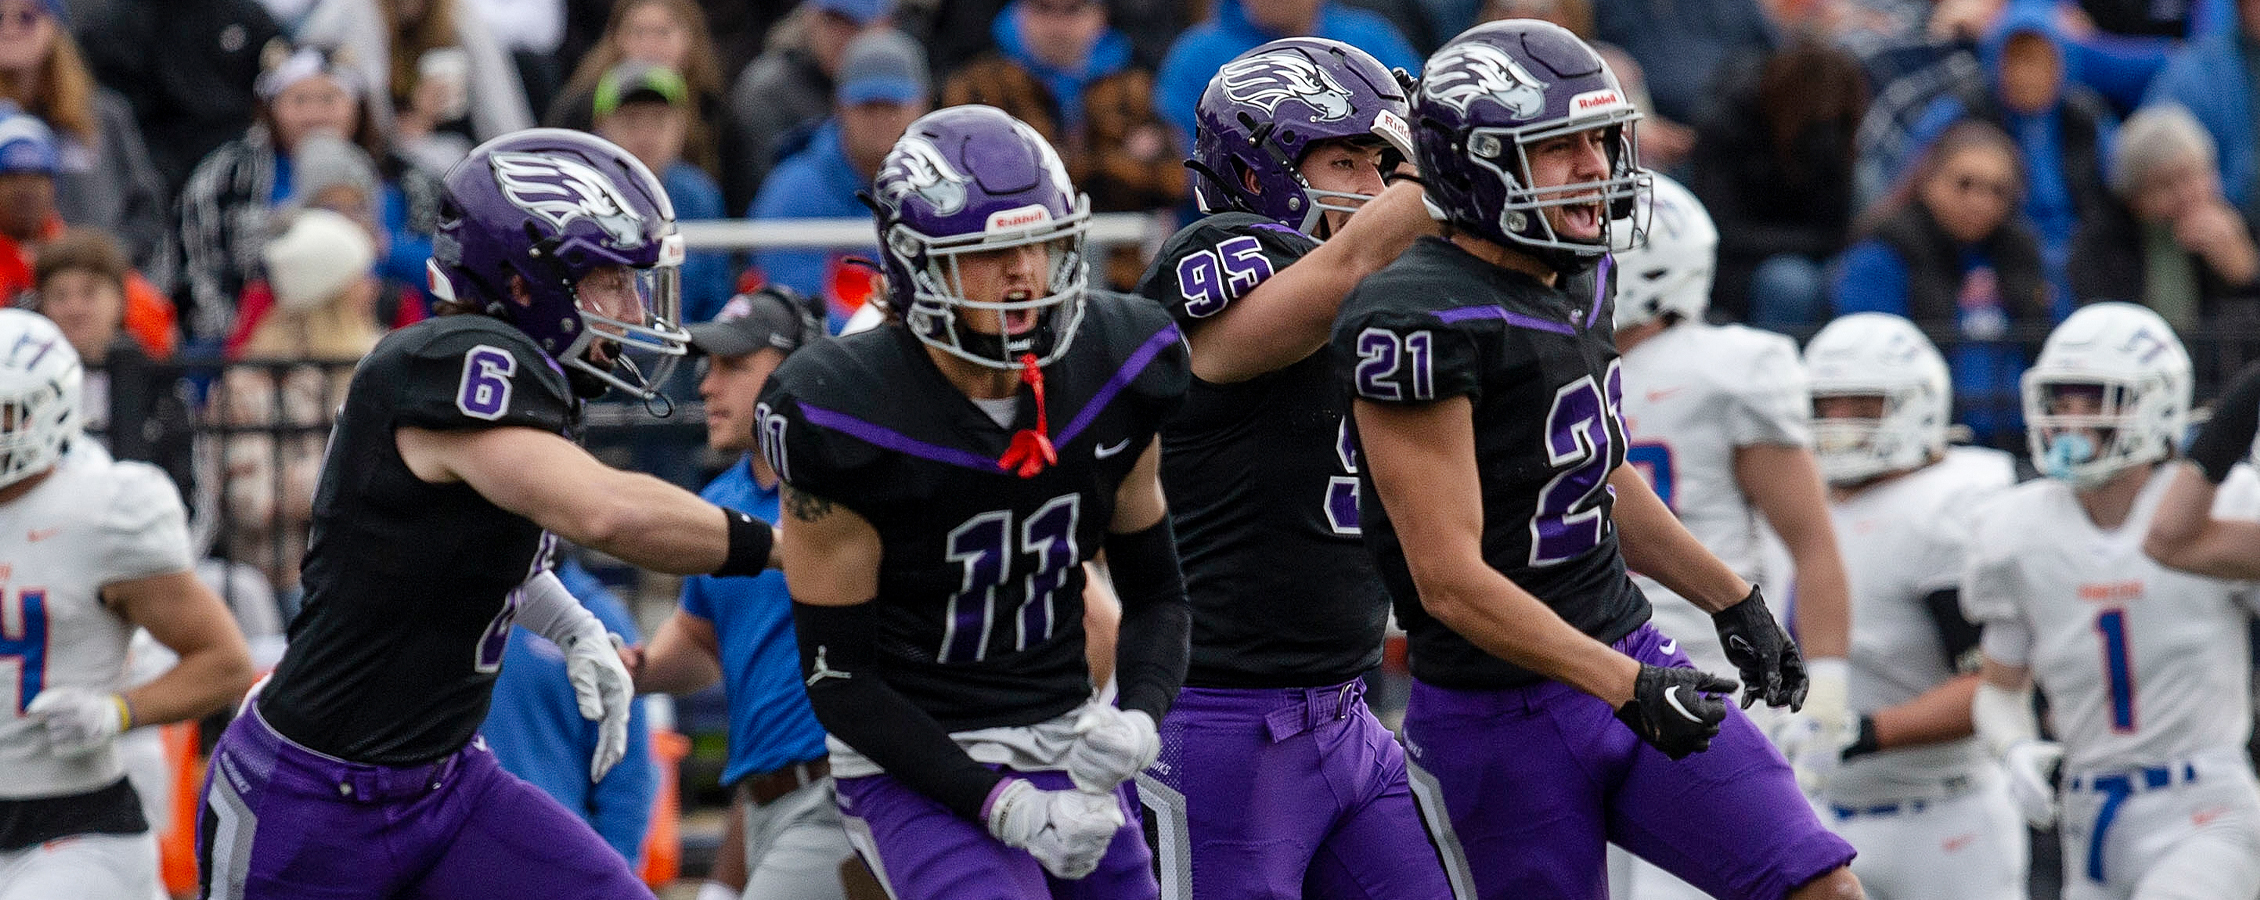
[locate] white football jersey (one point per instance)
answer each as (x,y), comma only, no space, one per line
(92,523)
(1902,541)
(1692,394)
(2142,665)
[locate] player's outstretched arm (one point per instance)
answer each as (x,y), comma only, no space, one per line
(188,619)
(1655,544)
(552,481)
(1289,315)
(1784,482)
(683,657)
(2184,533)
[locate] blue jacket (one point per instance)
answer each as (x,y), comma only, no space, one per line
(1206,47)
(707,279)
(2210,77)
(537,733)
(771,724)
(816,183)
(1110,55)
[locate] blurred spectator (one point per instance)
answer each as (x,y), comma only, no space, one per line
(325,291)
(2214,78)
(2119,65)
(778,101)
(137,411)
(29,162)
(1059,68)
(185,66)
(1774,166)
(646,110)
(224,208)
(668,33)
(425,63)
(536,731)
(2062,128)
(1664,144)
(882,89)
(531,31)
(737,28)
(1680,45)
(1948,251)
(1237,26)
(1887,138)
(2170,242)
(107,180)
(329,172)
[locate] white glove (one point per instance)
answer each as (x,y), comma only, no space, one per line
(600,685)
(1068,832)
(1111,747)
(78,720)
(2031,765)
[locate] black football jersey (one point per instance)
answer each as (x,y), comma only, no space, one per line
(1262,484)
(980,603)
(410,585)
(1539,366)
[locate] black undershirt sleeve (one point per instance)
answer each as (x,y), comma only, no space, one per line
(1957,636)
(1157,623)
(839,658)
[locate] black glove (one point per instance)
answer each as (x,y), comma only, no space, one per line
(1863,743)
(1676,710)
(2227,439)
(1772,669)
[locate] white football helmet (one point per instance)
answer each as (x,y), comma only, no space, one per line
(2130,362)
(40,381)
(1672,272)
(1878,355)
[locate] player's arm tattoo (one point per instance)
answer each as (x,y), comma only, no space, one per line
(805,506)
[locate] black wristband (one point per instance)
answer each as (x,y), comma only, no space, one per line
(750,543)
(1863,744)
(2227,439)
(1393,176)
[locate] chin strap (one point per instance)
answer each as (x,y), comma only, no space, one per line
(1031,448)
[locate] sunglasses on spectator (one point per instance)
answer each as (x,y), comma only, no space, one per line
(1059,7)
(1970,184)
(22,18)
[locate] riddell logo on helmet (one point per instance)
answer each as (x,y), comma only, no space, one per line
(1021,217)
(1591,102)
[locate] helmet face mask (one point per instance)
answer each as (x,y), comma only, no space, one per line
(528,218)
(40,385)
(1494,95)
(964,187)
(1265,110)
(2110,392)
(1883,357)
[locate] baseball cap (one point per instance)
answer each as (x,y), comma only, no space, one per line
(632,81)
(775,317)
(27,145)
(861,11)
(882,64)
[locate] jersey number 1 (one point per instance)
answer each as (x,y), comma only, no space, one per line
(983,548)
(2118,667)
(23,638)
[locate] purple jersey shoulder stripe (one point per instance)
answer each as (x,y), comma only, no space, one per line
(1274,226)
(1137,363)
(1464,313)
(1600,287)
(882,436)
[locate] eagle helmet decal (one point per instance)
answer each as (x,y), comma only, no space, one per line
(560,190)
(1471,71)
(1269,79)
(918,167)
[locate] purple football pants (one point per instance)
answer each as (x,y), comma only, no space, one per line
(1281,794)
(922,851)
(281,821)
(1539,779)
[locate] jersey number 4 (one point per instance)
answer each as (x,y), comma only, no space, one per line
(984,548)
(23,639)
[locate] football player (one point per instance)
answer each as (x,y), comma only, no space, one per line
(91,551)
(355,771)
(1928,811)
(2146,669)
(1275,780)
(946,475)
(1718,419)
(1550,716)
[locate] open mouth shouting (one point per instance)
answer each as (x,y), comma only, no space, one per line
(1018,321)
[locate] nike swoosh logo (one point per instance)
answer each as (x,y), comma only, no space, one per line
(1104,452)
(40,534)
(1658,396)
(1671,699)
(1669,646)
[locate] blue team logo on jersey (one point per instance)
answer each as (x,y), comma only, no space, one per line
(918,167)
(1268,80)
(560,190)
(1475,71)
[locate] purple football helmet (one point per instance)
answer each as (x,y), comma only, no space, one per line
(1266,108)
(1492,93)
(551,206)
(969,179)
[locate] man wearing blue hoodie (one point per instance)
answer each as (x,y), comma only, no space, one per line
(1237,26)
(2215,77)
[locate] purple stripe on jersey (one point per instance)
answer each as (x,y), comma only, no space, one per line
(1600,287)
(1464,313)
(1122,377)
(1274,226)
(882,436)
